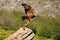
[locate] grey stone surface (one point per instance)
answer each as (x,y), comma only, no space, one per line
(42,7)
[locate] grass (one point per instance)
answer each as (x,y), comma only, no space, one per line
(5,34)
(41,38)
(45,28)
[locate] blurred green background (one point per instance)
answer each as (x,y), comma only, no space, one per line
(45,28)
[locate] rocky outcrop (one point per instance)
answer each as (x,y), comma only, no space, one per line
(42,7)
(22,34)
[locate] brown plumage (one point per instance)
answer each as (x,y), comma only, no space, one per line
(29,12)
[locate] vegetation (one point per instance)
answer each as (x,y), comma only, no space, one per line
(45,28)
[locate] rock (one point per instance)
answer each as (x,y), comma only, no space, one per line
(22,34)
(41,7)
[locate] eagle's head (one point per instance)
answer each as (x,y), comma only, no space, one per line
(23,4)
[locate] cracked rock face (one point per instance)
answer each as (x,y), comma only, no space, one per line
(42,7)
(22,34)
